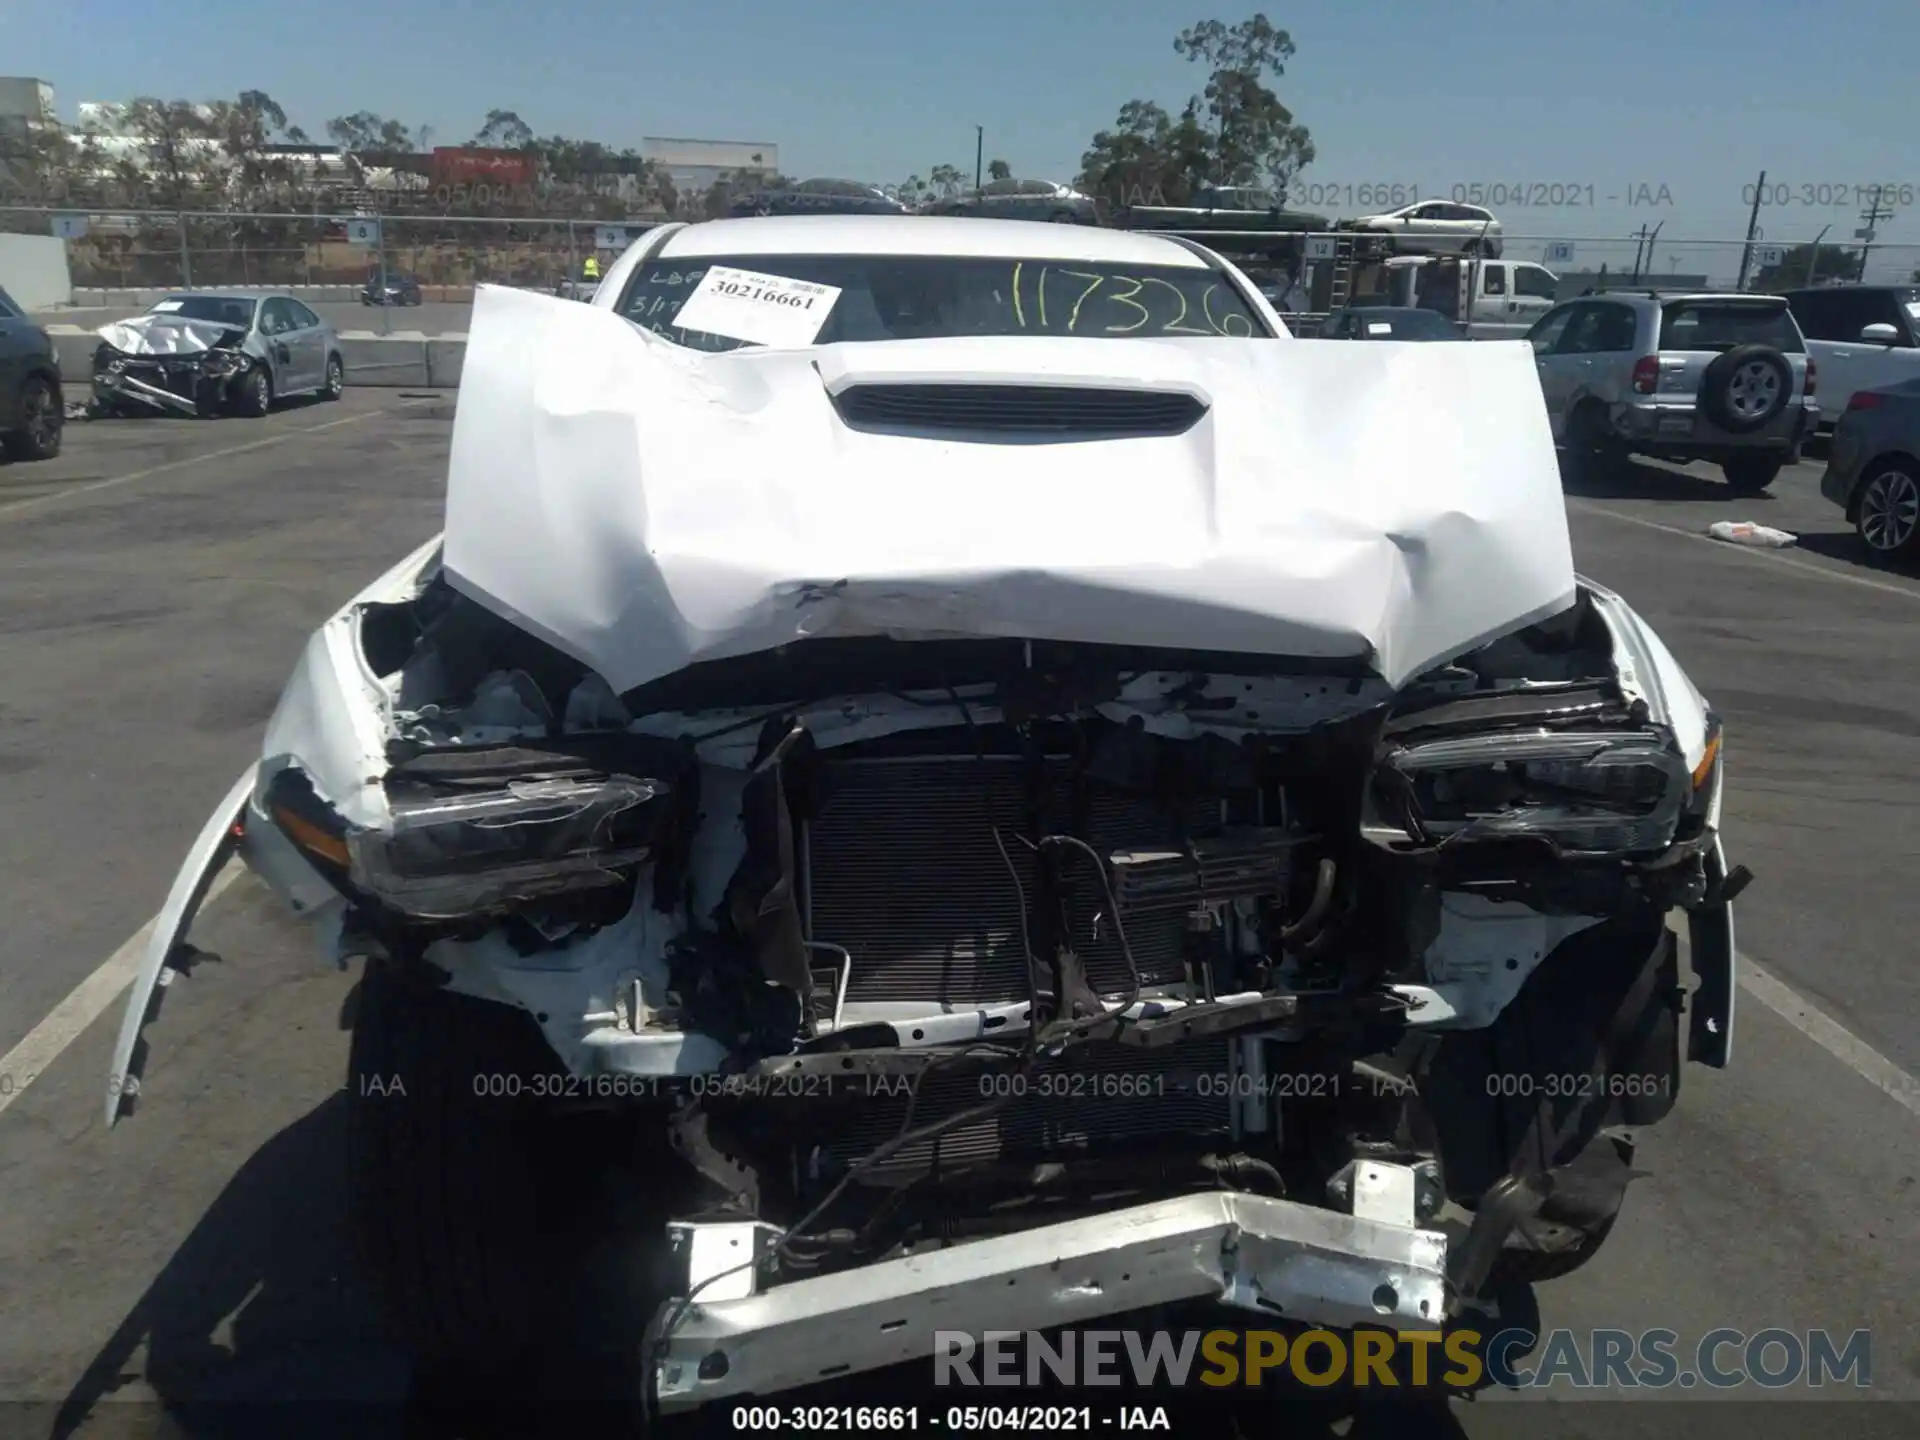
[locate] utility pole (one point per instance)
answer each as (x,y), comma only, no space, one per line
(1870,217)
(1753,223)
(979,149)
(1813,256)
(1644,239)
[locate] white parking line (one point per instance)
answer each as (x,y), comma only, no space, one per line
(117,480)
(1830,1035)
(67,1021)
(1884,586)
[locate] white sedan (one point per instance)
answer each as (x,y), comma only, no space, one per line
(1436,227)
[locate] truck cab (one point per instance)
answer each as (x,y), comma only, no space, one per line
(1489,299)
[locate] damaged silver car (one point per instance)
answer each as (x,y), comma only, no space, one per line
(209,354)
(1005,805)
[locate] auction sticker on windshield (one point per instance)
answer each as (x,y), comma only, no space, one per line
(759,309)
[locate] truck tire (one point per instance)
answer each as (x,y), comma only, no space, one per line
(476,1208)
(42,422)
(1746,388)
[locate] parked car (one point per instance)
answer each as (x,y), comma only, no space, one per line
(208,352)
(819,197)
(1021,200)
(1435,227)
(392,290)
(1722,378)
(1863,336)
(900,879)
(1873,468)
(32,405)
(1389,322)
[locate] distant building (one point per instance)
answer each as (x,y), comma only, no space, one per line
(25,101)
(695,165)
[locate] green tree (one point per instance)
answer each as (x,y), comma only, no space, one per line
(999,170)
(365,131)
(504,130)
(1236,131)
(1147,158)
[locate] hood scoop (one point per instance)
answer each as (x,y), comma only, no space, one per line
(1023,412)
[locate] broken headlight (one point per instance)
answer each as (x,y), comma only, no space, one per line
(1619,793)
(448,855)
(222,363)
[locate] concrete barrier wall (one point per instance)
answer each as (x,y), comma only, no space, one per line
(33,269)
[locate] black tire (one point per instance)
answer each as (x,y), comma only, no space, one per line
(1887,513)
(479,1218)
(253,393)
(1593,452)
(42,422)
(1751,474)
(1746,388)
(336,381)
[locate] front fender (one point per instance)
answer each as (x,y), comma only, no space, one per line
(213,847)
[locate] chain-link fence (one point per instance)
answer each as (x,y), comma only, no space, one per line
(137,249)
(163,249)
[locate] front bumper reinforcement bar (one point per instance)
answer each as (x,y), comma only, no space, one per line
(1275,1257)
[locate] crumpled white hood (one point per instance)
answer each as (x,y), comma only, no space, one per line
(164,335)
(645,507)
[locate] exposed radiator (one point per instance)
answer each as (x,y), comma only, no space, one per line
(901,869)
(1083,1098)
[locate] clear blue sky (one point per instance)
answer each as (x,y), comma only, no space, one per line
(1694,95)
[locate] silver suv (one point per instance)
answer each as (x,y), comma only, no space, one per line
(1724,378)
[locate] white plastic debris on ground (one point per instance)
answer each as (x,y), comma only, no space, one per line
(1745,532)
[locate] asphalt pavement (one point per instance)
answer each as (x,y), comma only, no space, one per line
(432,317)
(156,583)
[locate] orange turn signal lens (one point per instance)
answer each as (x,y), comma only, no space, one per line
(1704,770)
(311,837)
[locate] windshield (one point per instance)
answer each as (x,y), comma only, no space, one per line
(904,297)
(223,309)
(1404,325)
(1722,324)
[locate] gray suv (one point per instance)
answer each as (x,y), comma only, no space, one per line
(1723,378)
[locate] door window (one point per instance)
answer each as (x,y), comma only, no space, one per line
(8,310)
(1817,313)
(1544,336)
(1534,283)
(303,318)
(274,319)
(1496,280)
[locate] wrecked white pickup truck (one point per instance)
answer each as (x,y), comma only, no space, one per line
(1049,817)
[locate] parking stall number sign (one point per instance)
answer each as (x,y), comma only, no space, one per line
(1560,252)
(1322,247)
(1769,255)
(759,309)
(363,232)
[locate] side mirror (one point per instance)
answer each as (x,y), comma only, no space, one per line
(1881,334)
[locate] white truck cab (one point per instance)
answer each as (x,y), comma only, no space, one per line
(1490,299)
